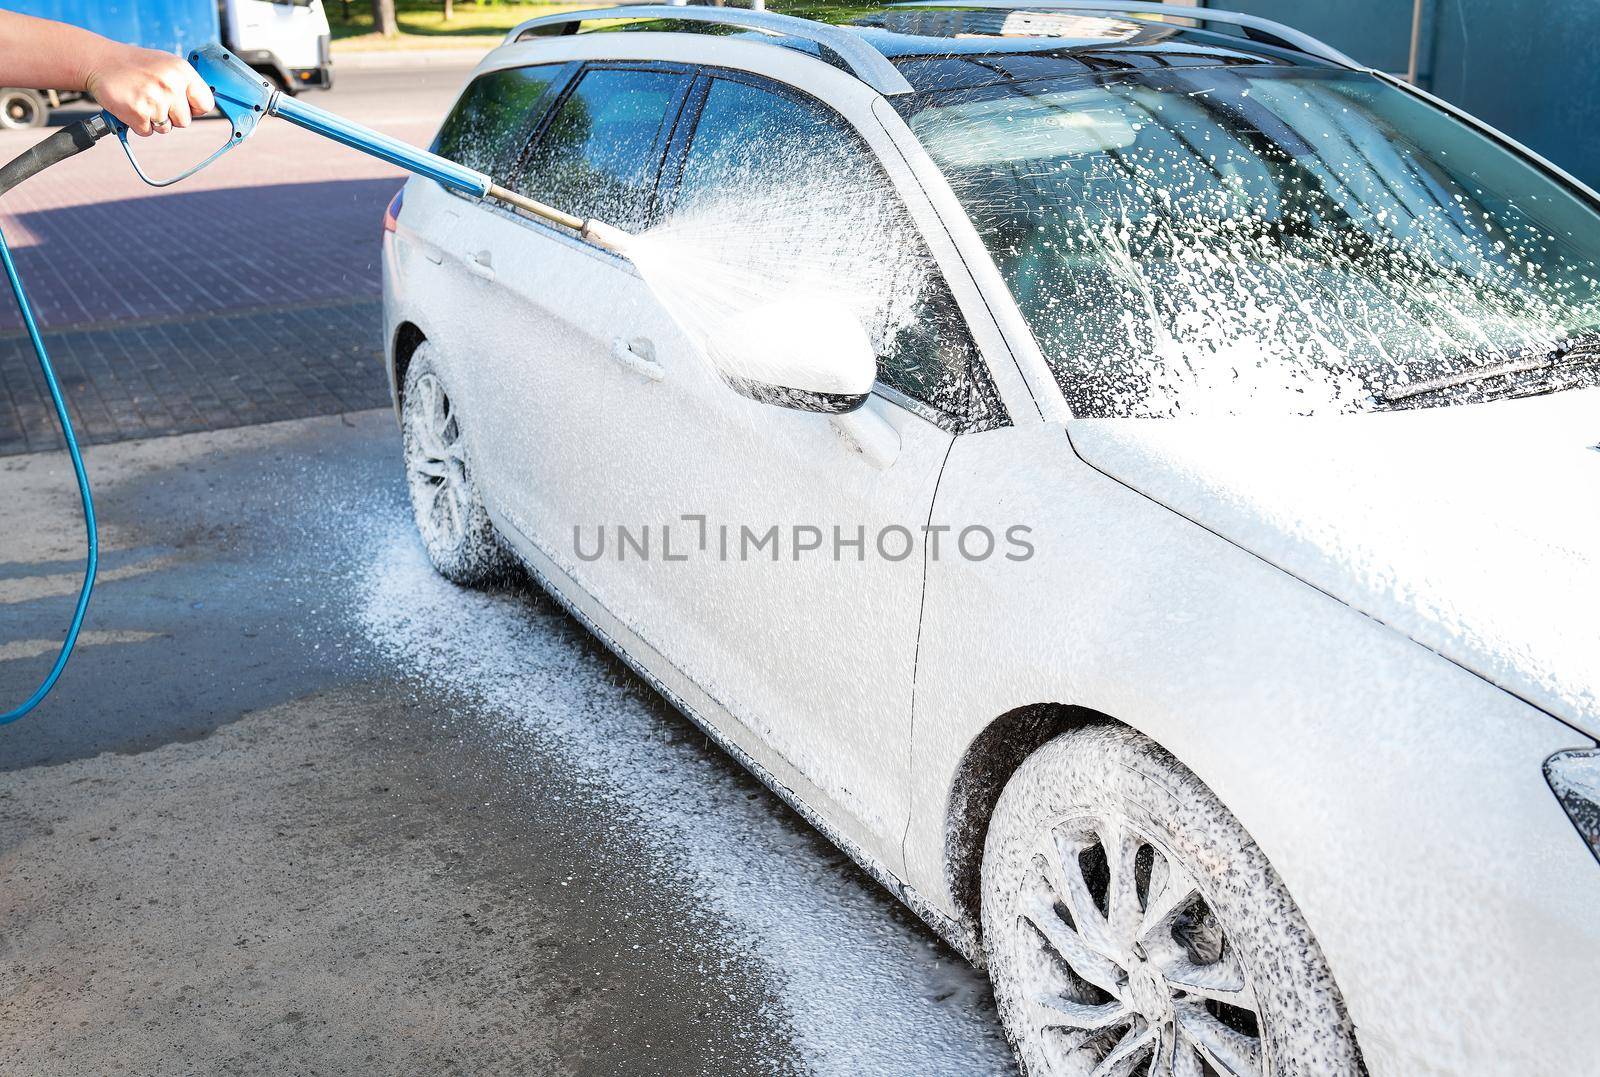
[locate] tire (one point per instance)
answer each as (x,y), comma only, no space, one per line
(1190,948)
(455,529)
(21,110)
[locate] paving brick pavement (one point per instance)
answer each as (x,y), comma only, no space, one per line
(285,218)
(176,375)
(194,252)
(247,294)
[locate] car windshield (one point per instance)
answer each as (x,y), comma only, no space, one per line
(1270,241)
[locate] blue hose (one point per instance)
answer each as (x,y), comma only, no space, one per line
(83,489)
(243,97)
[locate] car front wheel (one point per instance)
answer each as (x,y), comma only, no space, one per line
(456,530)
(1134,928)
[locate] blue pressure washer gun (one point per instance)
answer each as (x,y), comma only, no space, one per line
(244,98)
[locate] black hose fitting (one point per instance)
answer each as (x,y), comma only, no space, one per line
(67,142)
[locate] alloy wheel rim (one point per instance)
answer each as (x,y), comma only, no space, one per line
(437,463)
(1124,969)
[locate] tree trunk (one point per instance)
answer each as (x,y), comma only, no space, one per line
(449,10)
(383,20)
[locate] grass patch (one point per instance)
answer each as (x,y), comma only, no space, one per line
(422,22)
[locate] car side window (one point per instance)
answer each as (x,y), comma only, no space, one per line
(600,152)
(493,117)
(781,182)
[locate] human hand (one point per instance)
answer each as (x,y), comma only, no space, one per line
(146,89)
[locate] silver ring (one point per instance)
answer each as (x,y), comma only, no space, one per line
(160,125)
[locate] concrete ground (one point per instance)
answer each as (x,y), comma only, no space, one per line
(300,806)
(231,843)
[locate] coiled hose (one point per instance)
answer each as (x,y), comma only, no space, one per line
(57,148)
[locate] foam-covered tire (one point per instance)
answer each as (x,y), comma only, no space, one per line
(1131,924)
(455,528)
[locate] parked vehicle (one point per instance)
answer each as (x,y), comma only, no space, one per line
(285,40)
(1263,741)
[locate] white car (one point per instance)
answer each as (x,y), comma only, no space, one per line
(1133,485)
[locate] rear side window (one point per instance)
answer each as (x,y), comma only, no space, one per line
(782,182)
(492,119)
(600,153)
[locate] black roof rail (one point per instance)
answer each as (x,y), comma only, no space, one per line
(865,62)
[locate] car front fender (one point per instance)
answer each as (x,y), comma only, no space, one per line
(1399,796)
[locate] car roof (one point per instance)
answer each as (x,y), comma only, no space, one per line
(938,46)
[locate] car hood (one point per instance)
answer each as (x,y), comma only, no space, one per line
(1475,530)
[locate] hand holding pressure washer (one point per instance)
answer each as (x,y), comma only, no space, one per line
(143,92)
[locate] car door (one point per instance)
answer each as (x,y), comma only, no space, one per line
(488,129)
(784,574)
(550,367)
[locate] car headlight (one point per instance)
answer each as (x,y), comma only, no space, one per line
(1574,777)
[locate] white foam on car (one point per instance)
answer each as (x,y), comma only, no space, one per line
(1171,266)
(1470,529)
(863,993)
(757,241)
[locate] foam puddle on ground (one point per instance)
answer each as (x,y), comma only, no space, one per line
(863,993)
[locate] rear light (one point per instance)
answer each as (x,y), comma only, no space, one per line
(391,216)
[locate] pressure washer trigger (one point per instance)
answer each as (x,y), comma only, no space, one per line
(243,97)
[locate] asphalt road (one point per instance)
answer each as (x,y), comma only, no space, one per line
(300,806)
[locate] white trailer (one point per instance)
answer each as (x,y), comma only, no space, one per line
(285,40)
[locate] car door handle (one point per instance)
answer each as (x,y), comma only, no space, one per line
(639,356)
(481,265)
(448,221)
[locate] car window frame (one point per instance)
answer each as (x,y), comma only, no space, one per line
(518,171)
(671,174)
(507,157)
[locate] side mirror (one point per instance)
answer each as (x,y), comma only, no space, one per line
(807,352)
